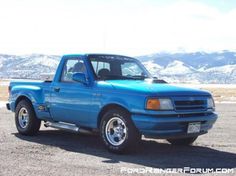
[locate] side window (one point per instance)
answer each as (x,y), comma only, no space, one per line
(131,69)
(99,65)
(72,66)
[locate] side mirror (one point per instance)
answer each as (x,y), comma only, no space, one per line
(79,77)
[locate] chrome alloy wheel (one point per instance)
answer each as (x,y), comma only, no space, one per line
(116,131)
(23,117)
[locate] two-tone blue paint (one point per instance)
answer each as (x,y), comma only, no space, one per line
(82,104)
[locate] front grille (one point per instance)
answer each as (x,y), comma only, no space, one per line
(189,104)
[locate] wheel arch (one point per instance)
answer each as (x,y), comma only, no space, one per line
(20,98)
(107,108)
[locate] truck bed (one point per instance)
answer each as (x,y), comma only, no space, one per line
(28,82)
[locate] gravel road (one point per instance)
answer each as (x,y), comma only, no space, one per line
(54,152)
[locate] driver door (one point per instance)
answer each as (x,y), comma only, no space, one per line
(70,100)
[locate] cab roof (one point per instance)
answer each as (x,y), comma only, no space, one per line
(94,54)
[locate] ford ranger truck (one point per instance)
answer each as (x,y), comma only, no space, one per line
(115,96)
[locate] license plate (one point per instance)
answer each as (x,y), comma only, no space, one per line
(194,127)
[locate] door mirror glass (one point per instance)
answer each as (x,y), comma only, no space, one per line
(79,77)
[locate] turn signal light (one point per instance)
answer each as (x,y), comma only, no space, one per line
(153,104)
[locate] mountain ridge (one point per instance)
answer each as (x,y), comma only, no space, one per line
(214,67)
(196,67)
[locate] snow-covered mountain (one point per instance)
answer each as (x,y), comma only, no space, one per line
(198,67)
(28,66)
(177,68)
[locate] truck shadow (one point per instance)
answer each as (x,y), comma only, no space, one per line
(149,153)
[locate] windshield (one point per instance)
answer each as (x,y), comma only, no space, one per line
(109,67)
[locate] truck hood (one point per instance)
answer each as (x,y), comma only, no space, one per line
(156,89)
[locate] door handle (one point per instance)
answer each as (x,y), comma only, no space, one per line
(56,89)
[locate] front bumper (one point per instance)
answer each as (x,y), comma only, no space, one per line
(165,127)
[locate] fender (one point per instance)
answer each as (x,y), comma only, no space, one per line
(116,100)
(33,93)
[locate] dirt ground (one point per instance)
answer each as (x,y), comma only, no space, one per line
(54,152)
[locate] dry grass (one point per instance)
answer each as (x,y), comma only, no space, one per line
(223,94)
(3,90)
(3,93)
(220,94)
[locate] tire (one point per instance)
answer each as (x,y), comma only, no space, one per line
(118,132)
(25,118)
(182,141)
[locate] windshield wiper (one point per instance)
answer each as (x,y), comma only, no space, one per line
(138,77)
(118,77)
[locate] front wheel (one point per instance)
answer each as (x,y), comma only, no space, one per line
(182,141)
(118,132)
(25,118)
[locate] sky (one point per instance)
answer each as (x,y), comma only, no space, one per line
(129,27)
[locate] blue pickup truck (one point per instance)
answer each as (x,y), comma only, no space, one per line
(114,96)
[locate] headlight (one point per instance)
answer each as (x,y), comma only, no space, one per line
(210,103)
(159,104)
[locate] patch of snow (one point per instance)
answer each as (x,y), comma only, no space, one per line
(152,67)
(4,83)
(220,58)
(225,102)
(177,68)
(2,104)
(201,69)
(228,86)
(222,69)
(45,61)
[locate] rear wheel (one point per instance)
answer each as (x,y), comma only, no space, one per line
(182,141)
(118,132)
(26,121)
